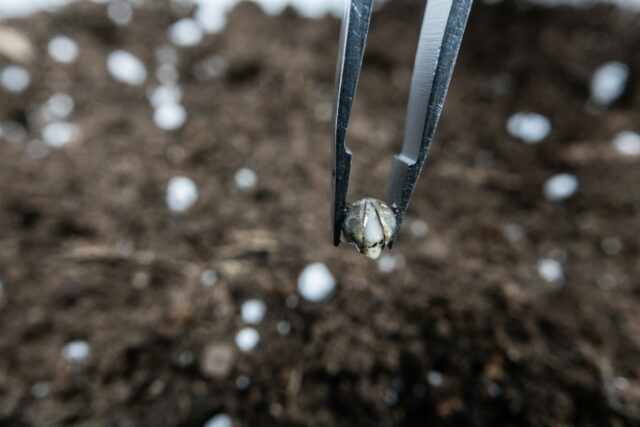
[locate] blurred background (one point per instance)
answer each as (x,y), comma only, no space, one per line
(165,251)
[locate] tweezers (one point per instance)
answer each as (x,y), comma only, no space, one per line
(440,37)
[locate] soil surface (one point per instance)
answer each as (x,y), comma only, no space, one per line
(463,332)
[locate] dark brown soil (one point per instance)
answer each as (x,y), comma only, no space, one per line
(89,250)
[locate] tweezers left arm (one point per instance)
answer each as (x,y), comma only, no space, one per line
(353,37)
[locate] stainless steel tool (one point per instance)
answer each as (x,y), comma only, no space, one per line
(440,37)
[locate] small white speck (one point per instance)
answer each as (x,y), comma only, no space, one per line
(185,32)
(253,311)
(607,281)
(242,382)
(550,270)
(15,78)
(120,12)
(63,49)
(57,134)
(316,283)
(291,301)
(75,351)
(15,45)
(210,68)
(627,143)
(621,383)
(182,192)
(186,359)
(387,262)
(273,7)
(246,179)
(170,116)
(37,149)
(513,232)
(157,387)
(126,68)
(434,378)
(220,420)
(19,8)
(529,127)
(165,94)
(211,16)
(609,82)
(247,338)
(40,390)
(418,228)
(611,246)
(209,277)
(308,8)
(560,187)
(60,105)
(283,327)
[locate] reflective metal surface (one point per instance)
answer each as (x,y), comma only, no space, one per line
(353,36)
(440,38)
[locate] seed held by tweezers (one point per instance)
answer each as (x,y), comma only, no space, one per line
(369,224)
